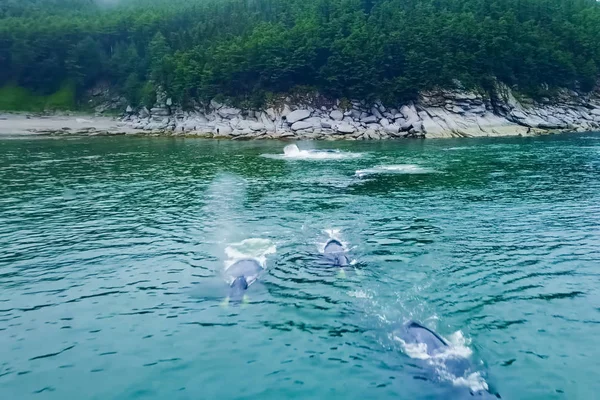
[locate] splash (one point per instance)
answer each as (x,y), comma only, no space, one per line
(254,248)
(292,152)
(332,234)
(400,169)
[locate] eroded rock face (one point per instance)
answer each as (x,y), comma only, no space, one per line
(438,114)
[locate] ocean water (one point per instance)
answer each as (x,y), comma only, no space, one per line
(114,255)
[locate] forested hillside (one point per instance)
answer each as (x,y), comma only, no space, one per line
(249,49)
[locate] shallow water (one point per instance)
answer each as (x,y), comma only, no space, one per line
(112,252)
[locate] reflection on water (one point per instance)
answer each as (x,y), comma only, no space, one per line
(112,252)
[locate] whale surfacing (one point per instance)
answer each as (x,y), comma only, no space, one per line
(335,253)
(243,273)
(423,343)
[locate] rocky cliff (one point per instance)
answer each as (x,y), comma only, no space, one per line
(439,114)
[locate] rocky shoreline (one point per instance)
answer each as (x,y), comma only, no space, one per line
(440,114)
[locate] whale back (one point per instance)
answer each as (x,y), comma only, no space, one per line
(248,268)
(336,253)
(418,334)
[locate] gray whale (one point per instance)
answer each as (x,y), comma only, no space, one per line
(243,273)
(415,333)
(336,254)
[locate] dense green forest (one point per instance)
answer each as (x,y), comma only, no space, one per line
(250,49)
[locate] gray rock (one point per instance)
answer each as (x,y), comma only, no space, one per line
(392,129)
(370,119)
(406,126)
(169,102)
(271,113)
(160,112)
(229,112)
(215,105)
(301,125)
(384,122)
(314,121)
(144,113)
(371,135)
(129,110)
(375,111)
(257,126)
(595,112)
(286,111)
(345,128)
(418,126)
(327,123)
(297,115)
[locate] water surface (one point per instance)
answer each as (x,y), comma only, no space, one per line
(112,252)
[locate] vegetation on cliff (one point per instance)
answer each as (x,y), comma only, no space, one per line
(249,49)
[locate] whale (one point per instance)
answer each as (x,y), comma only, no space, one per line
(436,348)
(335,254)
(242,274)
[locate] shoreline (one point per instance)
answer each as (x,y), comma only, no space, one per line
(25,125)
(440,114)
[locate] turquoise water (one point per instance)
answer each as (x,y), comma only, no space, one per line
(112,252)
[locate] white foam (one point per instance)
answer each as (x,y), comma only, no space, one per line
(394,169)
(456,148)
(292,152)
(254,248)
(360,294)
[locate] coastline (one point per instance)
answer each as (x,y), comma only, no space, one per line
(441,114)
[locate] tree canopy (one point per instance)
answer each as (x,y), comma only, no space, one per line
(247,49)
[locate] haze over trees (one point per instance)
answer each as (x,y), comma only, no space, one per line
(249,49)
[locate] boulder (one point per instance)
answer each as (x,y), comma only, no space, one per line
(375,111)
(355,114)
(314,121)
(286,111)
(144,113)
(336,115)
(595,111)
(169,102)
(371,119)
(371,135)
(327,123)
(267,122)
(271,113)
(297,115)
(129,110)
(345,128)
(384,122)
(392,129)
(229,112)
(410,113)
(257,126)
(300,125)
